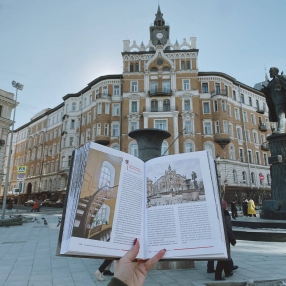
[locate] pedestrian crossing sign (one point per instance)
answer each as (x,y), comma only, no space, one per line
(21,170)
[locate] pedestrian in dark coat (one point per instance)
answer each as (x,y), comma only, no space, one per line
(226,265)
(39,205)
(245,208)
(233,209)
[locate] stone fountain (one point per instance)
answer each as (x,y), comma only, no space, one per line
(190,194)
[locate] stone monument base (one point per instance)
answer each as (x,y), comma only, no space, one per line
(273,210)
(191,195)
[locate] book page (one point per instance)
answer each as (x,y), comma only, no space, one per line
(109,211)
(181,212)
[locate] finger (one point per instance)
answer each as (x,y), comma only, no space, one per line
(152,261)
(133,252)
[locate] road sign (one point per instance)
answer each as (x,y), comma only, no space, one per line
(21,170)
(261,177)
(20,177)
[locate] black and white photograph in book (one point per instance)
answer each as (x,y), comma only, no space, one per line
(175,183)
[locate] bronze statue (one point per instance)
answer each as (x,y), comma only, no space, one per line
(275,93)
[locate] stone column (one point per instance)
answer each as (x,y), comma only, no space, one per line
(176,133)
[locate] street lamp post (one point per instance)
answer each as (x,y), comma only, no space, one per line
(18,86)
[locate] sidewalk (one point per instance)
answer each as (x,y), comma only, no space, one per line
(27,257)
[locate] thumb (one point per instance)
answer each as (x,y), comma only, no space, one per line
(133,252)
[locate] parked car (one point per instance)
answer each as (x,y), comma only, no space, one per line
(58,204)
(48,203)
(29,203)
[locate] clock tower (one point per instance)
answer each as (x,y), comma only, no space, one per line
(159,33)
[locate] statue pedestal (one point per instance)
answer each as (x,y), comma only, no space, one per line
(277,144)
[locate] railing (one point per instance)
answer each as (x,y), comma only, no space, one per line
(160,91)
(262,127)
(219,92)
(265,147)
(160,109)
(104,96)
(260,110)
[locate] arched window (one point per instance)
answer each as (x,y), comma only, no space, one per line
(189,147)
(166,69)
(37,169)
(154,105)
(115,146)
(252,178)
(209,147)
(231,152)
(44,169)
(153,70)
(234,176)
(244,177)
(134,150)
(268,180)
(164,147)
(102,217)
(46,185)
(166,105)
(182,66)
(104,179)
(32,171)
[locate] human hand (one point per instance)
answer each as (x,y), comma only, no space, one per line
(134,273)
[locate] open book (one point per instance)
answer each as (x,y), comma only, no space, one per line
(170,202)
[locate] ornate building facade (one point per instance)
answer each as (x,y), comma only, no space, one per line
(160,87)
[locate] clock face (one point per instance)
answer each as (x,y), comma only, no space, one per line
(159,35)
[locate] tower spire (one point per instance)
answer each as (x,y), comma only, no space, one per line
(159,20)
(266,76)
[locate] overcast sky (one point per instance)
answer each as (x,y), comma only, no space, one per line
(57,47)
(182,167)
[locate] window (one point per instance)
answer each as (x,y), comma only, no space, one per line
(233,95)
(226,90)
(267,123)
(104,91)
(253,121)
(94,113)
(133,126)
(186,84)
(206,107)
(223,105)
(236,114)
(93,131)
(264,106)
(225,129)
(249,153)
(189,147)
(134,150)
(115,146)
(205,88)
(209,148)
(154,70)
(85,102)
(244,177)
(187,105)
(116,90)
(131,68)
(89,117)
(255,138)
(215,106)
(262,137)
(83,120)
(164,148)
(166,86)
(64,142)
(134,106)
(228,110)
(115,131)
(116,109)
(51,135)
(137,67)
(56,133)
(252,178)
(265,159)
(154,105)
(257,158)
(71,141)
(217,127)
(188,126)
(87,135)
(99,108)
(242,98)
(154,87)
(161,124)
(82,139)
(231,152)
(32,171)
(73,106)
(182,65)
(207,128)
(134,86)
(54,149)
(98,133)
(241,156)
(257,104)
(188,65)
(72,124)
(166,105)
(106,129)
(166,69)
(247,135)
(90,99)
(239,135)
(217,88)
(52,166)
(67,109)
(245,117)
(250,101)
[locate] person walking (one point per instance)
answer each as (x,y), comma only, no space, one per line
(233,209)
(39,205)
(245,208)
(35,207)
(104,269)
(226,265)
(251,208)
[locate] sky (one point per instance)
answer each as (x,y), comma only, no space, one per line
(182,167)
(57,47)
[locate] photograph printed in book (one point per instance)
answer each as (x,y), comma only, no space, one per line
(175,183)
(96,207)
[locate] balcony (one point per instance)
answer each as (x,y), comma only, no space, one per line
(262,127)
(160,109)
(260,110)
(165,91)
(104,96)
(265,147)
(219,92)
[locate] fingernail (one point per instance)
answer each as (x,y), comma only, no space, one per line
(165,249)
(135,241)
